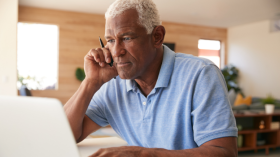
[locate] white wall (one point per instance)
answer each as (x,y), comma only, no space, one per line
(8,44)
(255,51)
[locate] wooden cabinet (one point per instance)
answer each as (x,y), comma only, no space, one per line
(251,131)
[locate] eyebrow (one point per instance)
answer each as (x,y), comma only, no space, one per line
(107,37)
(121,35)
(127,33)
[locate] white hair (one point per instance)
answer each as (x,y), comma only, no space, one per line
(146,9)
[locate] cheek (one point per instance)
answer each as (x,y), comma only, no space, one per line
(136,50)
(110,47)
(132,51)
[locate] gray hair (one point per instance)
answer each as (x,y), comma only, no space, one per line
(146,9)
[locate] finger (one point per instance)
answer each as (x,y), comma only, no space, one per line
(102,64)
(99,151)
(101,55)
(89,57)
(95,55)
(107,55)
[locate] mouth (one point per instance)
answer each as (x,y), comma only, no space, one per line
(123,64)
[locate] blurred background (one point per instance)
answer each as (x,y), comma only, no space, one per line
(42,43)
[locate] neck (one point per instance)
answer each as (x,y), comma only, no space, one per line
(148,80)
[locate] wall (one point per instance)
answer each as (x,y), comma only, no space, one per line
(8,44)
(256,53)
(186,36)
(79,33)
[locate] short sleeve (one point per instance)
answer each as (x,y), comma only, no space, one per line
(96,110)
(212,115)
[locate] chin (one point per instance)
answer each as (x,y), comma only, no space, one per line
(126,76)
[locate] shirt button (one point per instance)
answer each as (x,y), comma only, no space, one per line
(144,103)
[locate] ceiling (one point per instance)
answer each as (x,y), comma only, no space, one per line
(217,13)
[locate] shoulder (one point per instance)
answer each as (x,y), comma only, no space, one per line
(187,59)
(191,65)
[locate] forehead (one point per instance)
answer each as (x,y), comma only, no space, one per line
(127,21)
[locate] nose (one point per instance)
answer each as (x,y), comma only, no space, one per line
(118,49)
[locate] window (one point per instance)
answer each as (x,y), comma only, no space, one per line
(210,49)
(37,56)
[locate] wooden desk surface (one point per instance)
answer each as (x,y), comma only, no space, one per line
(90,145)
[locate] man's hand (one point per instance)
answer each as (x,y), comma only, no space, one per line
(96,66)
(220,147)
(125,151)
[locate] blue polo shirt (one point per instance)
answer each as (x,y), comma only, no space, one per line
(188,106)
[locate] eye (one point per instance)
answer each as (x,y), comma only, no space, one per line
(126,38)
(111,41)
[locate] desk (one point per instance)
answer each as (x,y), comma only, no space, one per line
(90,145)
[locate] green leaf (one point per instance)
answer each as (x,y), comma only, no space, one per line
(269,100)
(230,73)
(80,74)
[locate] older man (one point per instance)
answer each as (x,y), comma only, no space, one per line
(162,103)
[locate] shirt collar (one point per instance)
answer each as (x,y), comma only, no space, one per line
(164,73)
(130,85)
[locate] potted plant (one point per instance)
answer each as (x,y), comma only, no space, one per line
(230,73)
(269,103)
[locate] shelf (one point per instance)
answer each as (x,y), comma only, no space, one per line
(257,131)
(267,146)
(250,136)
(245,148)
(248,114)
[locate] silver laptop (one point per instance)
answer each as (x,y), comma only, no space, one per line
(34,127)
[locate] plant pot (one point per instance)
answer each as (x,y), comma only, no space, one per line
(269,108)
(240,141)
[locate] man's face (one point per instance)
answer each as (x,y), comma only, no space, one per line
(129,44)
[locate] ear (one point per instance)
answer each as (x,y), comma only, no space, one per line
(158,36)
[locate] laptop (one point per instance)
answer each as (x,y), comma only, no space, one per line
(34,127)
